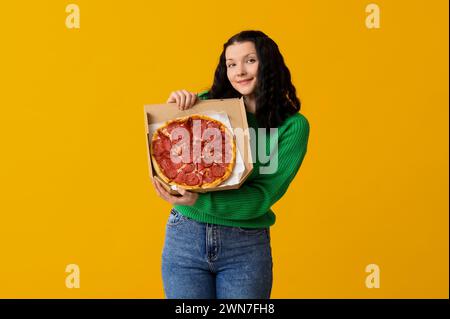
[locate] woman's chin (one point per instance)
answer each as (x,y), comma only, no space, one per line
(245,91)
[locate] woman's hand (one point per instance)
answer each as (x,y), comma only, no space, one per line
(187,198)
(183,98)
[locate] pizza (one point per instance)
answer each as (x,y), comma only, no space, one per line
(194,152)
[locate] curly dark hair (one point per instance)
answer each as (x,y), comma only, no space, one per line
(275,95)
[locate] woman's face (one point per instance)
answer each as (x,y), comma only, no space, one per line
(242,66)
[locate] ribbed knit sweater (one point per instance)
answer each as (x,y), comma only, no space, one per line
(250,205)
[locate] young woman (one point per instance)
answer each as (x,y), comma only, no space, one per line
(217,244)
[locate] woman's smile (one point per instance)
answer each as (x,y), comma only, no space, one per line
(244,82)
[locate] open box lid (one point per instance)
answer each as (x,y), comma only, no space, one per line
(235,109)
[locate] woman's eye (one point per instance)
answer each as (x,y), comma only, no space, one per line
(249,60)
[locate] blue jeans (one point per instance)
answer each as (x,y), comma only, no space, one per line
(210,261)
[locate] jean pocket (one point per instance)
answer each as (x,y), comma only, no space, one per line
(175,218)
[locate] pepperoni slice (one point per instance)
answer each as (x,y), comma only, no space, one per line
(204,164)
(209,152)
(177,165)
(165,142)
(182,152)
(162,155)
(173,126)
(207,176)
(188,168)
(171,173)
(158,147)
(200,178)
(168,167)
(180,178)
(161,144)
(217,170)
(167,164)
(188,124)
(177,137)
(191,179)
(163,138)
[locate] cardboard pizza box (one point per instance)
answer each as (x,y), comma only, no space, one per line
(234,109)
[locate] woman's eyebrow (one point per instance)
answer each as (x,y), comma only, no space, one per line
(243,56)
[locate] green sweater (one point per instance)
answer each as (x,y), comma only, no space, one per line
(250,205)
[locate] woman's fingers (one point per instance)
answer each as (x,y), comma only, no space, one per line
(155,184)
(186,198)
(164,194)
(171,98)
(183,98)
(187,102)
(194,98)
(178,98)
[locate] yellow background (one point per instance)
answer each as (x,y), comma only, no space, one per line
(373,187)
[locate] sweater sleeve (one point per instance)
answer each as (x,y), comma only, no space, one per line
(255,197)
(203,95)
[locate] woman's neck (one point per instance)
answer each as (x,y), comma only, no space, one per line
(250,103)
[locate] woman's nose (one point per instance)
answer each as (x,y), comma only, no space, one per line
(241,71)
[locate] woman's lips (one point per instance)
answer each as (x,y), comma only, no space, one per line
(244,82)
